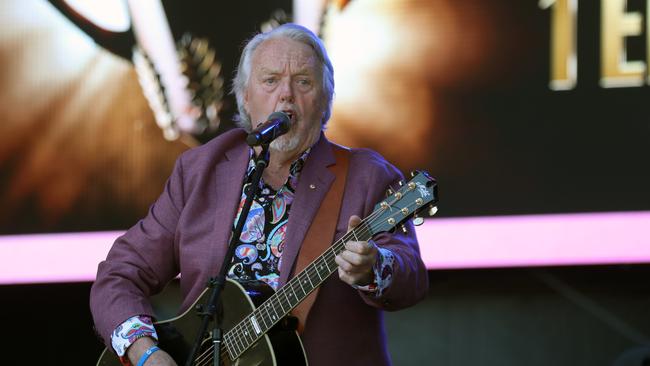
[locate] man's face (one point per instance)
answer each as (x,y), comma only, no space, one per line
(286,76)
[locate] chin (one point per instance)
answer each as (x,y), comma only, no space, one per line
(285,143)
(295,139)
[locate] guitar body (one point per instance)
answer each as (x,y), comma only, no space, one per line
(280,346)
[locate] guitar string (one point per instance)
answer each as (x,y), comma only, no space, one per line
(207,356)
(337,245)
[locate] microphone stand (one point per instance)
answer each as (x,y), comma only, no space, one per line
(217,283)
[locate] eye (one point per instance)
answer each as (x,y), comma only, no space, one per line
(304,82)
(270,81)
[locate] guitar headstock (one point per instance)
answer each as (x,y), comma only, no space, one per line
(419,194)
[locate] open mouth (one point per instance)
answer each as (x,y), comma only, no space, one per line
(290,113)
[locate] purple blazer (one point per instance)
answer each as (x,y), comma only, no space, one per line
(187,230)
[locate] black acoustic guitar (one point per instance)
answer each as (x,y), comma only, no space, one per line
(256,328)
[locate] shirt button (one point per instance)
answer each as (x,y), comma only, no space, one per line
(312,186)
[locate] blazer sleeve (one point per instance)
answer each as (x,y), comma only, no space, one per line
(410,278)
(140,262)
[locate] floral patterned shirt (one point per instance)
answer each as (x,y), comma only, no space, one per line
(258,255)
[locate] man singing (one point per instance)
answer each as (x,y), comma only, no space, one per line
(187,229)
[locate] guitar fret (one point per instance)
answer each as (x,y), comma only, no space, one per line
(316,276)
(306,286)
(332,262)
(247,333)
(269,313)
(309,278)
(237,344)
(334,252)
(323,260)
(260,316)
(281,307)
(226,343)
(234,340)
(320,278)
(252,331)
(302,288)
(234,345)
(293,292)
(275,317)
(283,299)
(268,316)
(286,297)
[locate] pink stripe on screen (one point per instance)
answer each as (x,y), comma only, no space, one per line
(536,240)
(71,257)
(446,243)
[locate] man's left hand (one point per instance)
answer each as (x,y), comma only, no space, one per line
(358,258)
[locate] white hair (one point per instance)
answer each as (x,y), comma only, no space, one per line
(294,32)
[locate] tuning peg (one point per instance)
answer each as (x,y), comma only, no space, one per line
(417,220)
(414,173)
(404,229)
(389,192)
(433,210)
(401,183)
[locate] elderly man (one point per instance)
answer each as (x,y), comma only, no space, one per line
(188,227)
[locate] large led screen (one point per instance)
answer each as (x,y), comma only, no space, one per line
(531,114)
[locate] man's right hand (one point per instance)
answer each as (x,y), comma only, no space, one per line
(158,358)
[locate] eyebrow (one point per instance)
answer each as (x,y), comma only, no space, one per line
(304,71)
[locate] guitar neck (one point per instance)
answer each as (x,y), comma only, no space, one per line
(285,299)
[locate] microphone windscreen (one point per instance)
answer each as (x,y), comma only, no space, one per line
(279,115)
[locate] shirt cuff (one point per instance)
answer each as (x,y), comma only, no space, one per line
(383,273)
(128,332)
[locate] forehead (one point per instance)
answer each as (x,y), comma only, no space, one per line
(276,54)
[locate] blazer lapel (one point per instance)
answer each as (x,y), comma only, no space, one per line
(229,176)
(314,182)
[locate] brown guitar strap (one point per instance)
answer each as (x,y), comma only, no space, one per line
(321,231)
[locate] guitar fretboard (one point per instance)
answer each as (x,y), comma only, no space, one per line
(256,324)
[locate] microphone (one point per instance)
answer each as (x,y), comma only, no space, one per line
(275,126)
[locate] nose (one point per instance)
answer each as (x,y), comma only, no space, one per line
(286,92)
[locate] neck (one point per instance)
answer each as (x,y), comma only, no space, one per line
(279,159)
(277,172)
